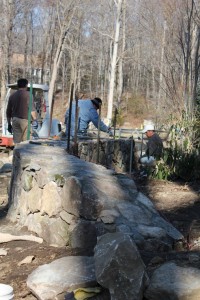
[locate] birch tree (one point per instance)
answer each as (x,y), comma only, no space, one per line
(121,56)
(114,60)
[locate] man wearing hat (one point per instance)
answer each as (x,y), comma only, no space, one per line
(87,113)
(154,146)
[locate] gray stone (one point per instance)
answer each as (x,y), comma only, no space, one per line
(157,245)
(127,183)
(51,203)
(91,202)
(168,227)
(156,260)
(119,267)
(82,235)
(54,231)
(72,198)
(23,207)
(146,202)
(68,218)
(171,282)
(42,178)
(134,213)
(108,219)
(3,252)
(37,223)
(34,199)
(27,181)
(111,186)
(151,232)
(193,258)
(109,215)
(33,167)
(6,168)
(110,228)
(138,238)
(4,183)
(67,273)
(124,229)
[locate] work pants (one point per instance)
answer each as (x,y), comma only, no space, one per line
(148,161)
(19,129)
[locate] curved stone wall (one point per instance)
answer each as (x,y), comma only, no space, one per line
(69,202)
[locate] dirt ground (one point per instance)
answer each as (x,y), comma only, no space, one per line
(178,202)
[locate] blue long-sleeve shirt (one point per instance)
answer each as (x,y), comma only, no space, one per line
(87,114)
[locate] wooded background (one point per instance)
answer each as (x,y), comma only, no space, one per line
(141,52)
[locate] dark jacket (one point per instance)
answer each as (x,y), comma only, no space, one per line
(154,146)
(18,105)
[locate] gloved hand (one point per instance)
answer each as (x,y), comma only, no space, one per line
(35,124)
(10,128)
(110,132)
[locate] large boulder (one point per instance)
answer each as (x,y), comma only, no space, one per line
(119,267)
(63,274)
(171,282)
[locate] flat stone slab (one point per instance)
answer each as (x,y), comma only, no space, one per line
(62,275)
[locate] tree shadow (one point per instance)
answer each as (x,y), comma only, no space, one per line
(184,212)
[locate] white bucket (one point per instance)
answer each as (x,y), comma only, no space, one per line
(6,292)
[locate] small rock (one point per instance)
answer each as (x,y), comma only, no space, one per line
(26,260)
(193,258)
(17,249)
(3,252)
(108,219)
(156,260)
(6,168)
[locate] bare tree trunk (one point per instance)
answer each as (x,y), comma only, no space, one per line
(195,60)
(27,29)
(48,46)
(160,93)
(6,49)
(120,63)
(64,67)
(153,82)
(113,62)
(187,95)
(57,59)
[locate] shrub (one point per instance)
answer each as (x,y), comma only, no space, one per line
(181,157)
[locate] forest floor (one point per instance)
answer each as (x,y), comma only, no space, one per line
(178,202)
